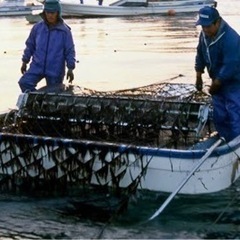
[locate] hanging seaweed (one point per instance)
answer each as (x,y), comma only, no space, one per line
(91,139)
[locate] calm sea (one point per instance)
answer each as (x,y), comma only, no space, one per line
(119,53)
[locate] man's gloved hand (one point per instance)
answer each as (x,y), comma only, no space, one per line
(70,75)
(23,68)
(199,83)
(215,87)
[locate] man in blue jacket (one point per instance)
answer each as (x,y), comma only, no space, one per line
(219,51)
(50,48)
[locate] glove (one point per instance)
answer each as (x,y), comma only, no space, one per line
(199,83)
(23,68)
(215,87)
(70,75)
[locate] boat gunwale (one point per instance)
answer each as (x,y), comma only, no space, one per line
(190,154)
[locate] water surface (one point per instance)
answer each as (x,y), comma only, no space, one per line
(119,53)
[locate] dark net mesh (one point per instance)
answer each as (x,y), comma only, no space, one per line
(90,138)
(163,115)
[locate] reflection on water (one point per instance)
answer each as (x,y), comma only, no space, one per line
(193,217)
(132,52)
(118,53)
(112,53)
(140,34)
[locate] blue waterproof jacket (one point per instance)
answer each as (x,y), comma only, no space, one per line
(47,60)
(221,56)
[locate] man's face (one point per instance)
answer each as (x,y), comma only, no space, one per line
(211,30)
(51,17)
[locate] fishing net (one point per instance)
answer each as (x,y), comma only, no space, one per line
(160,115)
(91,138)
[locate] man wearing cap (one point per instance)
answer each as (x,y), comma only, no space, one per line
(50,48)
(218,51)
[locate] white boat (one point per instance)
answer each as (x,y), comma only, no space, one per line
(133,8)
(127,8)
(147,138)
(17,8)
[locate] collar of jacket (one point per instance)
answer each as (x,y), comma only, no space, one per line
(221,31)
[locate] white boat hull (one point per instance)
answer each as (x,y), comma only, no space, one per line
(117,141)
(163,7)
(216,174)
(164,169)
(17,8)
(15,12)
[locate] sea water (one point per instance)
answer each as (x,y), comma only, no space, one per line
(119,53)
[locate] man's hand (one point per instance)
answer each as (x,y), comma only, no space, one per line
(199,83)
(23,68)
(70,75)
(215,87)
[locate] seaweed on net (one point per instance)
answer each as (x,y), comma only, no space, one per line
(50,137)
(119,119)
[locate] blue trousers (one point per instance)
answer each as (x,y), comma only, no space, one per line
(226,113)
(29,81)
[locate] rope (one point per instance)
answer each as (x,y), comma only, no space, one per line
(225,209)
(114,216)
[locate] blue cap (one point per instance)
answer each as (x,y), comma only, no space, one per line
(52,6)
(207,16)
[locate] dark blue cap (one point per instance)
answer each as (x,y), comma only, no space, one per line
(207,16)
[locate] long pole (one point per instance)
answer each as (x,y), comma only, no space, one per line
(201,161)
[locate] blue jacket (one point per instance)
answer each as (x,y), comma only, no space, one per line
(46,59)
(221,56)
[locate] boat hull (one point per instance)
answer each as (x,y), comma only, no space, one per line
(167,8)
(217,173)
(98,163)
(10,8)
(15,12)
(147,138)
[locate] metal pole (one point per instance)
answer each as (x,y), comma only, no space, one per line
(201,161)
